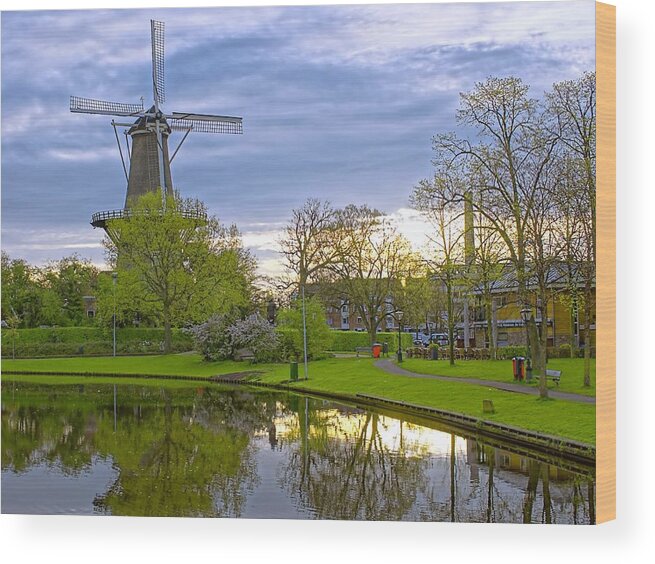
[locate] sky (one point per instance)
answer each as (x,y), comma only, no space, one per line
(338,102)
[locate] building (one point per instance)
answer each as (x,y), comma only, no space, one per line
(558,316)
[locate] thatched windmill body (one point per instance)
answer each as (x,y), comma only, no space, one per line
(147,138)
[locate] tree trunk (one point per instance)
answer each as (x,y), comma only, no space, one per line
(537,354)
(587,336)
(573,341)
(451,325)
(168,334)
(491,330)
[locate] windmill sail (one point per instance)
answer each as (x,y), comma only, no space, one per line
(91,106)
(205,123)
(157,39)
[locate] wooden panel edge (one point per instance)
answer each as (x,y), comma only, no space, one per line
(606,263)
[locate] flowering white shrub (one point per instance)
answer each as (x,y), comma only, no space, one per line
(212,338)
(257,335)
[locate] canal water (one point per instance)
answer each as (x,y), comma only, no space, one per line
(216,451)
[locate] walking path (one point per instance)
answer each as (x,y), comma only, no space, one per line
(393,368)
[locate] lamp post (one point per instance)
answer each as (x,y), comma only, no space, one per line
(114,276)
(399,318)
(526,312)
(304,332)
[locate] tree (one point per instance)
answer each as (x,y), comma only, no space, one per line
(487,270)
(572,105)
(308,242)
(373,260)
(71,278)
(308,248)
(27,296)
(318,332)
(505,167)
(178,261)
(413,298)
(447,261)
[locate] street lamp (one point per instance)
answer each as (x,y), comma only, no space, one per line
(399,318)
(114,276)
(526,313)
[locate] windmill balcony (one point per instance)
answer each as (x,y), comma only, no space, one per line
(99,219)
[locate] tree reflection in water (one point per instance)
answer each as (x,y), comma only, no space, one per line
(350,464)
(202,452)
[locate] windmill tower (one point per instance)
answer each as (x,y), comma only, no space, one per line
(149,159)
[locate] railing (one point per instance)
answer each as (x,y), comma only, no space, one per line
(103,216)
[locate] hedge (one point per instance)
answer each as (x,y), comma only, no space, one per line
(69,341)
(350,340)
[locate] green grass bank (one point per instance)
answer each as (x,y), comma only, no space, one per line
(344,376)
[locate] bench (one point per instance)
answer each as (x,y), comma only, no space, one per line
(554,375)
(363,350)
(244,354)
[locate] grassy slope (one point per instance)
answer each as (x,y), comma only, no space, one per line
(501,371)
(351,376)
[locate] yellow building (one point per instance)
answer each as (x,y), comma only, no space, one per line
(558,315)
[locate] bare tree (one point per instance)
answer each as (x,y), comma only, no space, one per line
(507,163)
(308,246)
(308,241)
(572,104)
(373,260)
(447,261)
(487,270)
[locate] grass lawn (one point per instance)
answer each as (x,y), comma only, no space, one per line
(350,376)
(501,371)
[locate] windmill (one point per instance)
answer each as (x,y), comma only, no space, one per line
(149,160)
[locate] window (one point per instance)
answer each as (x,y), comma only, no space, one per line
(90,314)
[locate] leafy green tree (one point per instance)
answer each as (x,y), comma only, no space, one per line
(178,264)
(318,332)
(26,295)
(71,278)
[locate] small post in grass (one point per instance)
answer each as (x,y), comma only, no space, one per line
(488,406)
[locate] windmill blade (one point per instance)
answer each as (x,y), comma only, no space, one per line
(90,106)
(205,123)
(157,40)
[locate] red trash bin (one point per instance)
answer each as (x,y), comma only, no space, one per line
(377,349)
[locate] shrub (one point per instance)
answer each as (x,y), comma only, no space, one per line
(290,344)
(212,338)
(504,353)
(255,334)
(318,332)
(565,350)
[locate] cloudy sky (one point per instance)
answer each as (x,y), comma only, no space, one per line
(339,102)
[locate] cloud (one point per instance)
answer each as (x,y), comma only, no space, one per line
(339,102)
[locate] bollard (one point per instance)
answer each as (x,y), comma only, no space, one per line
(488,406)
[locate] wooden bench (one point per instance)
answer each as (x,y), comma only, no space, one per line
(554,375)
(363,350)
(244,354)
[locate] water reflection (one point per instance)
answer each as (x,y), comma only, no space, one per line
(221,452)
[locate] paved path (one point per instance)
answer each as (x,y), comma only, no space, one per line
(393,368)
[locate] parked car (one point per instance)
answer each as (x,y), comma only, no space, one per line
(440,339)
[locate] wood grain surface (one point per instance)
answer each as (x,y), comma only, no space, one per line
(606,265)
